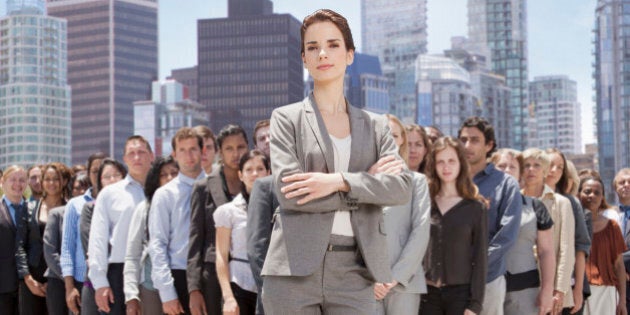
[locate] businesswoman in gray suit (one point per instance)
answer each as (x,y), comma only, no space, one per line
(407,229)
(327,245)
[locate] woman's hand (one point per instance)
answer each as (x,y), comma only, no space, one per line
(35,287)
(544,301)
(230,307)
(558,302)
(578,298)
(312,186)
(621,307)
(380,290)
(387,165)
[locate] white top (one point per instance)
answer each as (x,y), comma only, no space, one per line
(341,149)
(113,210)
(169,231)
(233,215)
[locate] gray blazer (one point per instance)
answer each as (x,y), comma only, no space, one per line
(52,242)
(408,228)
(300,143)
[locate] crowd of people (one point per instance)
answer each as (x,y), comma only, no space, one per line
(335,211)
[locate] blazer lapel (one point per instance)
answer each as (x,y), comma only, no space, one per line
(6,216)
(360,135)
(316,123)
(216,189)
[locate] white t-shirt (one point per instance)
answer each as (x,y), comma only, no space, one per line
(342,149)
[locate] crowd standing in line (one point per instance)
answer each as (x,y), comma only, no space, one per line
(336,210)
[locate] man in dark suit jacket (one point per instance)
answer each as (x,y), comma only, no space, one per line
(262,204)
(207,195)
(8,265)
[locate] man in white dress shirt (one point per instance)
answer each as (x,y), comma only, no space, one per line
(169,223)
(113,210)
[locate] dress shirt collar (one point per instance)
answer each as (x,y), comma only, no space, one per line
(189,180)
(487,171)
(624,208)
(87,195)
(11,204)
(240,202)
(131,181)
(547,193)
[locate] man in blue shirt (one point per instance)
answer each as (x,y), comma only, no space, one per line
(504,214)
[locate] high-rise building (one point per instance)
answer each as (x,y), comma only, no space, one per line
(34,94)
(396,32)
(445,96)
(493,95)
(112,60)
(497,29)
(169,109)
(248,65)
(557,113)
(187,77)
(612,87)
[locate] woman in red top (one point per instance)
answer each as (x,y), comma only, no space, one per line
(604,267)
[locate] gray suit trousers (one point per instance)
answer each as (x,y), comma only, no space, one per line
(399,303)
(340,285)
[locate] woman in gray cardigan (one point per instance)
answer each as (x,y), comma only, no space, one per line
(407,238)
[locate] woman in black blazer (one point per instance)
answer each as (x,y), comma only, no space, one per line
(11,217)
(31,264)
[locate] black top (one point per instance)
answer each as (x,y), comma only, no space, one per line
(458,249)
(543,218)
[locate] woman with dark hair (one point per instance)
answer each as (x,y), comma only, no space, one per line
(109,172)
(13,215)
(321,149)
(455,263)
(559,179)
(30,256)
(140,295)
(236,278)
(419,147)
(604,267)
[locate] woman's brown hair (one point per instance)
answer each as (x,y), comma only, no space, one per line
(327,15)
(464,184)
(427,144)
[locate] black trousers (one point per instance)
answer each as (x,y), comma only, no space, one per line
(9,303)
(31,304)
(211,289)
(181,287)
(116,283)
(246,300)
(56,297)
(447,300)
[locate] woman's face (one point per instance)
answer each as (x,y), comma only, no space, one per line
(417,149)
(396,133)
(13,185)
(591,195)
(509,165)
(77,189)
(110,175)
(168,172)
(325,55)
(52,182)
(253,169)
(447,165)
(533,172)
(556,168)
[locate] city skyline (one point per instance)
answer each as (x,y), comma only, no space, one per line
(559,35)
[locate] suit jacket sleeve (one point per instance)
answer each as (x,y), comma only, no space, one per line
(259,213)
(197,235)
(566,255)
(52,241)
(380,189)
(413,251)
(480,265)
(377,189)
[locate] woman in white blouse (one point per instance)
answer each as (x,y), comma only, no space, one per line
(236,278)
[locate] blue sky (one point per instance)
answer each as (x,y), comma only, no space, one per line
(559,34)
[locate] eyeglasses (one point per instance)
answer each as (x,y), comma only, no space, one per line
(112,176)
